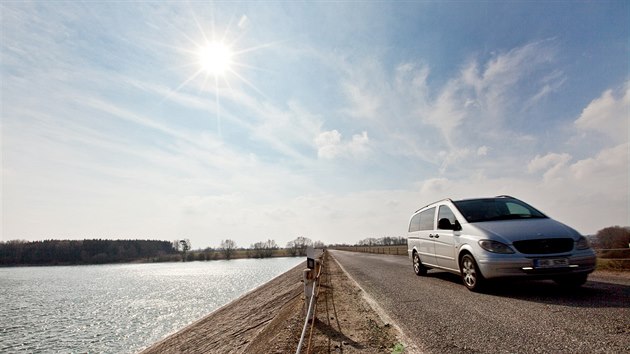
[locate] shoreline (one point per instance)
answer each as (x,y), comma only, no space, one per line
(145,261)
(243,319)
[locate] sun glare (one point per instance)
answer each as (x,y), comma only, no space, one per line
(217,62)
(215,58)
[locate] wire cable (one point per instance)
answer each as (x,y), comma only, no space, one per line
(310,335)
(310,309)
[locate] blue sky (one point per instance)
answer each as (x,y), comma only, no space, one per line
(335,121)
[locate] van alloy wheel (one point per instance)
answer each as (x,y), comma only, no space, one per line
(418,267)
(470,273)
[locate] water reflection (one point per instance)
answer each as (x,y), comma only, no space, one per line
(118,308)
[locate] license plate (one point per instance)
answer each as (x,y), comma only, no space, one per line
(551,262)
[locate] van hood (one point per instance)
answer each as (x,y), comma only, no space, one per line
(524,229)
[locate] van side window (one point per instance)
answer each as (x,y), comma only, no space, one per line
(446,213)
(422,221)
(426,219)
(414,224)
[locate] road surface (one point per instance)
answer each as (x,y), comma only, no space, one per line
(442,316)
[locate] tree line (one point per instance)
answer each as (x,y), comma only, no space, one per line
(262,249)
(382,241)
(53,252)
(99,251)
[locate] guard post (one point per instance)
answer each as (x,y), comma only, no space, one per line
(309,275)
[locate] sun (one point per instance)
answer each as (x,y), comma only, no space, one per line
(215,58)
(218,61)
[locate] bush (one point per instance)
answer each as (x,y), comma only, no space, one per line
(613,237)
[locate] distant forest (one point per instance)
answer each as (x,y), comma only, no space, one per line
(71,252)
(62,252)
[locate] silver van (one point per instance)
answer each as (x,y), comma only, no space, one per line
(500,237)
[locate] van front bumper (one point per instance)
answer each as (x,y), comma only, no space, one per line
(536,266)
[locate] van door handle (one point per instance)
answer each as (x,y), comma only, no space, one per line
(430,235)
(437,236)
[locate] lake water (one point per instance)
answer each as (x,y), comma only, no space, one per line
(119,308)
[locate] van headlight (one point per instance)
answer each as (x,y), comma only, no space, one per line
(495,246)
(582,243)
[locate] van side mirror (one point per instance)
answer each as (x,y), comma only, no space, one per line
(445,224)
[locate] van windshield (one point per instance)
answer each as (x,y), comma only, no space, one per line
(492,209)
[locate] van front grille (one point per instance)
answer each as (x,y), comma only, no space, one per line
(544,246)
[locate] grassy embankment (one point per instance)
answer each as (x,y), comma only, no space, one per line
(615,260)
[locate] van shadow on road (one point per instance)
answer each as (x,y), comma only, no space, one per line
(593,294)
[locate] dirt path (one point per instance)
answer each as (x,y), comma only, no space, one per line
(345,321)
(270,320)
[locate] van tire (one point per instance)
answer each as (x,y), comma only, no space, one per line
(471,276)
(418,267)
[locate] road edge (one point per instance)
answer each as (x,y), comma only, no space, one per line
(410,345)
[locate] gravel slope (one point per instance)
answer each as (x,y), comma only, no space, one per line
(525,317)
(270,319)
(233,327)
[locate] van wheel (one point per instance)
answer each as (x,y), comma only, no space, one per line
(418,267)
(471,276)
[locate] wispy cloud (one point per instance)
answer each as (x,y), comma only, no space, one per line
(550,84)
(550,164)
(331,146)
(471,110)
(608,115)
(106,130)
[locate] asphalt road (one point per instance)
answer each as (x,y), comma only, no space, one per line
(442,316)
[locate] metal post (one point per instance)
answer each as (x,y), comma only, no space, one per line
(308,276)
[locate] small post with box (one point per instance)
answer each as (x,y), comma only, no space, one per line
(310,278)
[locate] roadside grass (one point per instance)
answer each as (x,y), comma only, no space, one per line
(618,265)
(398,348)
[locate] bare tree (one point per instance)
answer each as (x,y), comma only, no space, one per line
(184,245)
(257,250)
(228,247)
(319,244)
(271,245)
(298,246)
(263,249)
